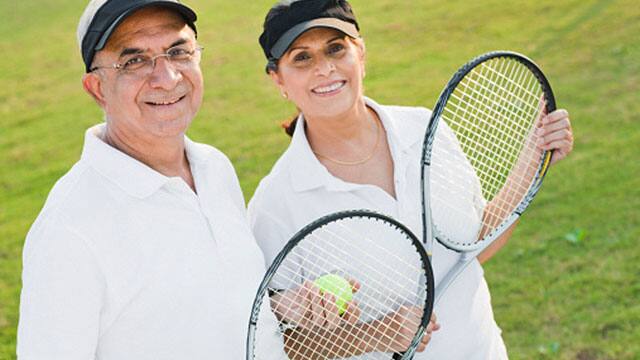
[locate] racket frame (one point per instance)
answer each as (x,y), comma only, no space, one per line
(469,252)
(303,233)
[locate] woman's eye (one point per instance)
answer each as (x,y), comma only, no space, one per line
(301,57)
(335,48)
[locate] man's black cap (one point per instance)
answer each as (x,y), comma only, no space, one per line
(291,21)
(102,17)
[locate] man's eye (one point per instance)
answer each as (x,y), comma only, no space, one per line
(135,62)
(178,53)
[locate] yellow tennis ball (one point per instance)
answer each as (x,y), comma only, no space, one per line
(338,287)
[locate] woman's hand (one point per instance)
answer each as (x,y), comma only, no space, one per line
(554,133)
(310,308)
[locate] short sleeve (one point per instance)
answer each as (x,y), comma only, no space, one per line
(61,299)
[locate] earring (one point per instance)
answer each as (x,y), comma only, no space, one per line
(285,95)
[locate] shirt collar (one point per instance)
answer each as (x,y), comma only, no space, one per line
(131,175)
(402,133)
(308,173)
(305,169)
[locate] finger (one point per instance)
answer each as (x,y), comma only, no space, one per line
(557,156)
(355,285)
(421,347)
(424,342)
(317,309)
(410,324)
(331,312)
(425,339)
(303,302)
(432,326)
(352,312)
(563,134)
(555,116)
(563,146)
(548,128)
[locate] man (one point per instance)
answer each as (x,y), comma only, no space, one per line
(142,250)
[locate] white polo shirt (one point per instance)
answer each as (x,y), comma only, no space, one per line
(126,263)
(300,189)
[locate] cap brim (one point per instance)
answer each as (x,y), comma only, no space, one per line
(188,14)
(285,41)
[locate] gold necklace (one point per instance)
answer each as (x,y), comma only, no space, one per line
(357,162)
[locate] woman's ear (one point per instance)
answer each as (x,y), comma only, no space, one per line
(277,80)
(361,47)
(362,50)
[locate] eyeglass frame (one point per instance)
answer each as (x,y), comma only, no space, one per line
(120,67)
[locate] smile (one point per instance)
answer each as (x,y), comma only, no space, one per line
(329,88)
(164,103)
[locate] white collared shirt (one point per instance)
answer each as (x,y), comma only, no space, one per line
(126,263)
(300,189)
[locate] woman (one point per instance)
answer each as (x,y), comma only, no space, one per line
(349,152)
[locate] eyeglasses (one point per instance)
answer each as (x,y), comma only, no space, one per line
(142,65)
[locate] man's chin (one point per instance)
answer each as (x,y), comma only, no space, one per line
(166,128)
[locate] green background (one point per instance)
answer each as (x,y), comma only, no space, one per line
(567,285)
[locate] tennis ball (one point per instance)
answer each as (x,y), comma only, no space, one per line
(338,287)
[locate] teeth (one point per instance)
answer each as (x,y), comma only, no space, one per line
(166,102)
(330,88)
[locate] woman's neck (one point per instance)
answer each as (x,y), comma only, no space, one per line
(347,135)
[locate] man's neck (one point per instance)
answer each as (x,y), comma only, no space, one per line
(165,155)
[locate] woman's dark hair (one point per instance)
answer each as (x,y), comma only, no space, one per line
(275,11)
(289,125)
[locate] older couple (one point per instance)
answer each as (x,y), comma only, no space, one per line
(143,249)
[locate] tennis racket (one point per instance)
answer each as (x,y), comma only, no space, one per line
(480,165)
(389,285)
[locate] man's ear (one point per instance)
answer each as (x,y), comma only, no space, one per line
(92,84)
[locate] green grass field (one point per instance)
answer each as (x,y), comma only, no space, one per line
(566,287)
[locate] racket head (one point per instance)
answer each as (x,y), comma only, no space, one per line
(384,257)
(485,117)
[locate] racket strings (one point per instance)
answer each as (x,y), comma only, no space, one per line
(484,171)
(487,95)
(388,280)
(489,118)
(320,335)
(318,245)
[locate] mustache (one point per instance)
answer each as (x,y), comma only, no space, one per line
(167,96)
